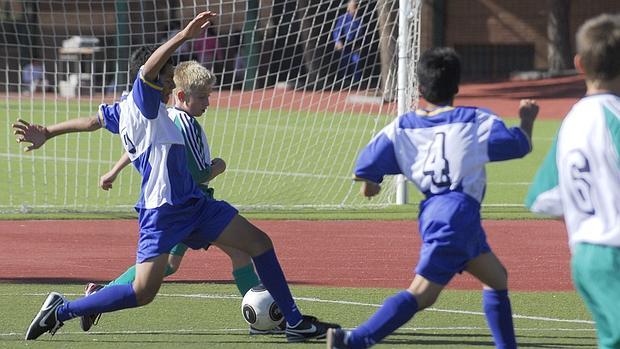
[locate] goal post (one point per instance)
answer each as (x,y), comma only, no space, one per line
(289,114)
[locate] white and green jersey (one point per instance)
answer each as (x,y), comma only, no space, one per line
(196,148)
(580,177)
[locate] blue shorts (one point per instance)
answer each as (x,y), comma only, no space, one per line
(195,223)
(452,235)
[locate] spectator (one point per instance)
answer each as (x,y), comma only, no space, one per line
(345,36)
(33,75)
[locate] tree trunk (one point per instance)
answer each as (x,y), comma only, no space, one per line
(558,26)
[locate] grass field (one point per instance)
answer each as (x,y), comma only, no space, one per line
(208,315)
(276,160)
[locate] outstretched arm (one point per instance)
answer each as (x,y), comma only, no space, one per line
(37,135)
(158,59)
(105,182)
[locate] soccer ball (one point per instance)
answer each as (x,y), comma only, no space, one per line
(260,310)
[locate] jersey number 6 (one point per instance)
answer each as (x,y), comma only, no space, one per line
(436,164)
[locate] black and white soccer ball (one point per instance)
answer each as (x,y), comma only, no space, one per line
(260,310)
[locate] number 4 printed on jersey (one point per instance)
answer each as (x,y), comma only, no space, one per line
(436,164)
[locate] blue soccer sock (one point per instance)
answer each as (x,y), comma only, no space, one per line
(103,301)
(497,309)
(394,312)
(271,275)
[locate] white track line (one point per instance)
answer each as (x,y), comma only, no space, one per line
(340,302)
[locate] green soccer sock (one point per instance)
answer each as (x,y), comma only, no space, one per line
(127,277)
(245,278)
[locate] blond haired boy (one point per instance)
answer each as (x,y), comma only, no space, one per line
(580,177)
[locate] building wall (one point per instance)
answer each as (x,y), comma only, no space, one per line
(511,24)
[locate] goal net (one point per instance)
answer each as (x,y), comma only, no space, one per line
(302,87)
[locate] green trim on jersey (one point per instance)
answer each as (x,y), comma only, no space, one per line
(613,124)
(546,177)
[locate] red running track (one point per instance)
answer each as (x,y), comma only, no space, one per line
(331,253)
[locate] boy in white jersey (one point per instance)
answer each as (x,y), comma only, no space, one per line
(443,151)
(172,209)
(580,177)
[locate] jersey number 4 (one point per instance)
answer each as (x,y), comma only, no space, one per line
(436,164)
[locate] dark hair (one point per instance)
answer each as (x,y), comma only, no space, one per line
(439,74)
(140,56)
(598,44)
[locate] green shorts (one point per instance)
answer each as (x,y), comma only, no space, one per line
(596,276)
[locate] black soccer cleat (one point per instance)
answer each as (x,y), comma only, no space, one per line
(46,320)
(336,338)
(87,321)
(309,328)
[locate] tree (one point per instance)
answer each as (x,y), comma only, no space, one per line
(558,26)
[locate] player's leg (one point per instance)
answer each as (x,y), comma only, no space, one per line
(394,313)
(595,275)
(174,261)
(243,269)
(489,270)
(242,235)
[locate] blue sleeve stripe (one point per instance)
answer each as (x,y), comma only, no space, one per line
(190,142)
(197,139)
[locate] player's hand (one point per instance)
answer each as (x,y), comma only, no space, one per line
(339,46)
(370,189)
(195,27)
(218,166)
(31,133)
(528,110)
(105,182)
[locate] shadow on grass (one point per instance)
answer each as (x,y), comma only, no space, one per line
(469,340)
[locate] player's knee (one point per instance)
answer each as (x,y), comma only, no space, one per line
(259,244)
(425,300)
(145,296)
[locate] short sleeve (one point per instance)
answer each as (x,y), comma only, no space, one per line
(378,158)
(543,195)
(506,143)
(146,96)
(109,116)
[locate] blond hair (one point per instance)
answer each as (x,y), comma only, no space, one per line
(598,45)
(191,77)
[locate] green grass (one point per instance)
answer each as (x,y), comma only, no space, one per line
(202,315)
(279,164)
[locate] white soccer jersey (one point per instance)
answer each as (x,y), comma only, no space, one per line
(580,178)
(589,170)
(443,150)
(154,145)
